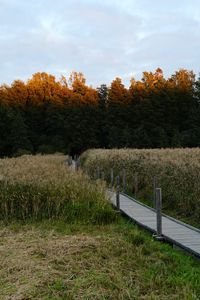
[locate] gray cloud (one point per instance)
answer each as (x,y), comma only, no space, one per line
(103,39)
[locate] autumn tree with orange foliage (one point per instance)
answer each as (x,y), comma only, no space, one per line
(48,115)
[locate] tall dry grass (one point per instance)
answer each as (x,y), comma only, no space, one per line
(45,187)
(178,172)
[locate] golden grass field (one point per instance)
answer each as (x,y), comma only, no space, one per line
(61,239)
(45,187)
(177,170)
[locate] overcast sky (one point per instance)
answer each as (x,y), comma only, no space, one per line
(101,38)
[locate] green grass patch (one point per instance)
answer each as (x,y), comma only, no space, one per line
(45,260)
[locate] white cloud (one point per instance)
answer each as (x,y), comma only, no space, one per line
(103,39)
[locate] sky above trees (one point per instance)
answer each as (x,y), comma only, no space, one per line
(103,39)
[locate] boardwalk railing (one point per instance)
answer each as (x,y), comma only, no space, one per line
(159,213)
(162,226)
(177,233)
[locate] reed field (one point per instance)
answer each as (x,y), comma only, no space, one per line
(61,239)
(36,187)
(177,172)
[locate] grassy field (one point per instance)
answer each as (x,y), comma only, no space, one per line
(54,260)
(37,187)
(74,245)
(177,170)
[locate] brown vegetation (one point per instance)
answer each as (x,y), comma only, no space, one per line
(177,170)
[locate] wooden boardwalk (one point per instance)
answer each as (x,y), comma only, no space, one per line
(173,231)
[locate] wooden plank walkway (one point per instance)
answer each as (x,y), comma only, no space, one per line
(173,231)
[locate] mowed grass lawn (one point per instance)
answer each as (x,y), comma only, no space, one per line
(55,260)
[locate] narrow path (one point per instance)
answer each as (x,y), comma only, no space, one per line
(174,231)
(178,233)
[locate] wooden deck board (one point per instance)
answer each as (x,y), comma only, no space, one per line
(181,234)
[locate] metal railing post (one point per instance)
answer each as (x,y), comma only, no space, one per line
(124,180)
(118,193)
(159,213)
(69,161)
(155,183)
(75,163)
(98,172)
(136,184)
(111,177)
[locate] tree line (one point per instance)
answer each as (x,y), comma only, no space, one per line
(46,115)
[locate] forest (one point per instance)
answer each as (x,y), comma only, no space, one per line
(46,115)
